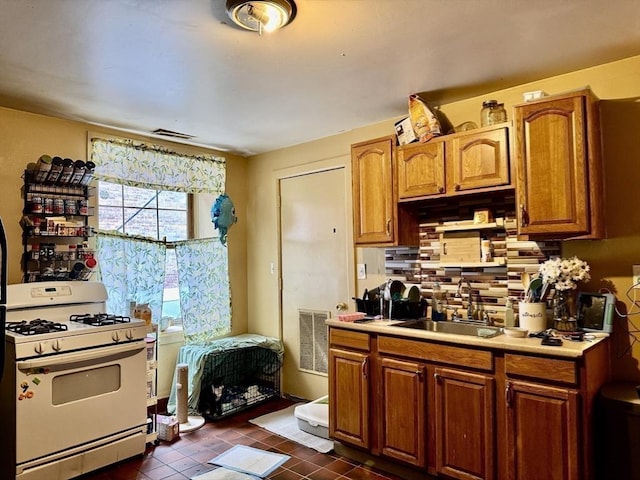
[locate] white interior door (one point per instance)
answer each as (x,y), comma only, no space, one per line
(315,274)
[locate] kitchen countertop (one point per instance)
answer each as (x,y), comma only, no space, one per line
(568,349)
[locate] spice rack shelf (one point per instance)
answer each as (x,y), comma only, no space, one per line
(56,227)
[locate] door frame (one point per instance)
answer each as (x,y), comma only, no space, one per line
(336,163)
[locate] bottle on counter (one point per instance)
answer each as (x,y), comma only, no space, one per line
(437,304)
(509,317)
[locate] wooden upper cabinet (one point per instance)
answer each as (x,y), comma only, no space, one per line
(560,184)
(478,160)
(377,218)
(421,169)
(455,164)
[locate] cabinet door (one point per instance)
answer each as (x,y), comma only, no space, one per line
(349,394)
(465,418)
(373,199)
(542,432)
(403,430)
(478,160)
(553,167)
(421,170)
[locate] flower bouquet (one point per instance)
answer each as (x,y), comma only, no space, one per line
(564,274)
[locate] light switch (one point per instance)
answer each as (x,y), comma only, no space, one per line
(362,271)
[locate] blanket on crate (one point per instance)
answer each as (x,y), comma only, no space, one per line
(207,361)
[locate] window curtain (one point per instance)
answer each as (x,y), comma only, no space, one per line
(132,269)
(205,298)
(136,164)
(130,266)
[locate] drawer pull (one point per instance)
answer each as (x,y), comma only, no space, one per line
(508,397)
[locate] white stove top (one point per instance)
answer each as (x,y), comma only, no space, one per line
(56,302)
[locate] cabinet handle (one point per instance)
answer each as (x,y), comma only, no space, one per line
(436,376)
(388,226)
(364,367)
(508,397)
(456,187)
(524,220)
(444,248)
(419,374)
(440,189)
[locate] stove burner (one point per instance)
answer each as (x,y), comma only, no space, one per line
(35,327)
(99,319)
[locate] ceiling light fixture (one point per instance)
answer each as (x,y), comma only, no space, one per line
(261,15)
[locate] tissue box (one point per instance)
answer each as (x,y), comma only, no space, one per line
(168,428)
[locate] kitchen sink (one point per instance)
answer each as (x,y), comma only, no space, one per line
(471,329)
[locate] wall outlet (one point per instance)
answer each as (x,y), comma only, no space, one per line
(362,271)
(635,281)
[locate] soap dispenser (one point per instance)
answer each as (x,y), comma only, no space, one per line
(437,304)
(509,318)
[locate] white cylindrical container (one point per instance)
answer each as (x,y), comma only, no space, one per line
(532,316)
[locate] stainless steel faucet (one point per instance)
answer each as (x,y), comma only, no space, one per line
(470,307)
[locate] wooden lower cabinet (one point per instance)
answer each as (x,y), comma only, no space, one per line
(403,411)
(465,424)
(466,413)
(543,432)
(349,394)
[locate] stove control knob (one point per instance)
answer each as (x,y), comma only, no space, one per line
(57,346)
(129,335)
(116,337)
(39,348)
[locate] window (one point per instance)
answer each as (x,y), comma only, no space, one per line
(156,214)
(143,242)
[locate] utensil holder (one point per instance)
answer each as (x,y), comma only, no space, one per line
(532,316)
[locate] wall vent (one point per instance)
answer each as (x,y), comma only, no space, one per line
(169,133)
(314,345)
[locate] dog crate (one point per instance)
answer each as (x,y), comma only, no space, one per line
(237,378)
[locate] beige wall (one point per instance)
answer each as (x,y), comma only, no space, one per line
(617,84)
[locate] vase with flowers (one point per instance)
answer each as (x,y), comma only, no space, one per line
(563,275)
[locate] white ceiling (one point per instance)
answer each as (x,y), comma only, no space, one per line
(179,64)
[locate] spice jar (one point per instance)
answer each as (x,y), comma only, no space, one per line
(492,113)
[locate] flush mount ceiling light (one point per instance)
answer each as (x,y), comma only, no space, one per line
(261,15)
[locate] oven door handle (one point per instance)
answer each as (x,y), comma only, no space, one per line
(94,355)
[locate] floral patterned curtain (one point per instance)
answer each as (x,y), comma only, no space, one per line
(132,269)
(136,164)
(205,298)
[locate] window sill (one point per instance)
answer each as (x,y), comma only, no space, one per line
(173,334)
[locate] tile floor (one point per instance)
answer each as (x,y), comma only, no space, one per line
(188,456)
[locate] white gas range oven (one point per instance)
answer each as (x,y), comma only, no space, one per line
(74,380)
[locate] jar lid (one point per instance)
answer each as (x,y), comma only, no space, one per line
(490,103)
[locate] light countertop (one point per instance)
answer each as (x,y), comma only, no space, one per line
(569,349)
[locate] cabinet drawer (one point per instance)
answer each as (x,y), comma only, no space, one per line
(464,357)
(551,369)
(349,339)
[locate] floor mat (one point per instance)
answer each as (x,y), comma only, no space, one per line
(224,474)
(285,424)
(250,460)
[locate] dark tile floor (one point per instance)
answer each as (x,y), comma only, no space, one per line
(187,456)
